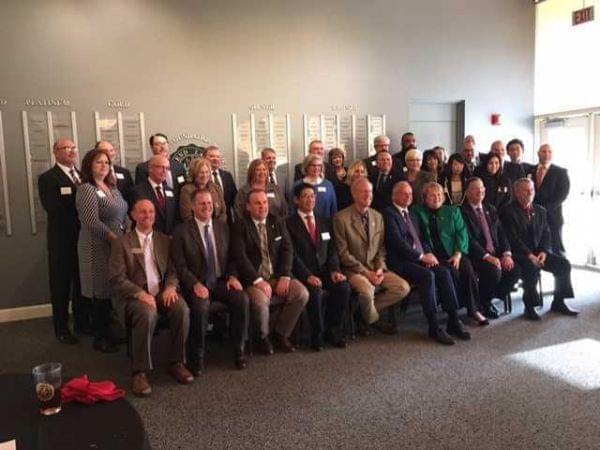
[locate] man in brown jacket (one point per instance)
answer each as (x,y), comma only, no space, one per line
(145,286)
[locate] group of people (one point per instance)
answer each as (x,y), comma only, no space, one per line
(460,231)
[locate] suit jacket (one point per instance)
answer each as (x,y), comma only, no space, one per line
(400,157)
(476,237)
(356,251)
(382,196)
(57,194)
(498,190)
(246,248)
(164,222)
(310,258)
(177,172)
(127,272)
(371,165)
(124,182)
(399,243)
(552,193)
(514,171)
(229,191)
(189,254)
(328,169)
(525,237)
(451,228)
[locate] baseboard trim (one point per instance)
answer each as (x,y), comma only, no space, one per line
(25,313)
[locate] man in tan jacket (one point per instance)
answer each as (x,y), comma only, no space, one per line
(359,235)
(145,286)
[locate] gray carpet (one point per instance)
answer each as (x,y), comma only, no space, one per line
(397,392)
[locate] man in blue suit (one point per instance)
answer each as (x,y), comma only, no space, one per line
(412,259)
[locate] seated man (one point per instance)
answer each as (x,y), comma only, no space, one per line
(263,254)
(526,227)
(316,264)
(145,286)
(359,235)
(489,250)
(200,252)
(445,232)
(412,259)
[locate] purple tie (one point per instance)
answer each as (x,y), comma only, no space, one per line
(489,244)
(413,233)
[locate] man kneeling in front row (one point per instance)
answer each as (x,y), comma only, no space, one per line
(144,287)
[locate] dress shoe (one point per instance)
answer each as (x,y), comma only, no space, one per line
(317,343)
(265,346)
(561,308)
(240,360)
(196,368)
(339,341)
(491,312)
(385,327)
(67,339)
(180,373)
(531,314)
(479,319)
(284,344)
(104,346)
(141,386)
(439,335)
(456,328)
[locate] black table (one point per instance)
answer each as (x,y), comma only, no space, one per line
(111,426)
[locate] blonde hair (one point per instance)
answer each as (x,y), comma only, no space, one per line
(352,170)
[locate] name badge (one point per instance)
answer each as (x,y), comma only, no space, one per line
(120,176)
(137,251)
(100,194)
(325,236)
(168,193)
(66,191)
(271,194)
(373,163)
(181,179)
(278,238)
(321,189)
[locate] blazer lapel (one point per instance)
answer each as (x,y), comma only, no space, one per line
(134,243)
(63,176)
(195,232)
(358,226)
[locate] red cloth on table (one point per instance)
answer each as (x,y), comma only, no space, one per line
(82,390)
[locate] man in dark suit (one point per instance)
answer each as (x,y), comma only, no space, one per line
(121,174)
(316,148)
(200,252)
(57,187)
(527,229)
(383,179)
(489,250)
(145,286)
(515,149)
(469,154)
(222,178)
(380,144)
(411,258)
(155,189)
(316,264)
(263,255)
(409,142)
(552,187)
(175,177)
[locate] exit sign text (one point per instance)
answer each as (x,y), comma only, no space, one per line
(583,15)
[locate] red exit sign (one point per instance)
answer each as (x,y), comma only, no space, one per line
(583,15)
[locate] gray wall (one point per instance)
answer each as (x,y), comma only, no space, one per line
(189,65)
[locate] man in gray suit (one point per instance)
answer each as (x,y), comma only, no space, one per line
(144,287)
(359,235)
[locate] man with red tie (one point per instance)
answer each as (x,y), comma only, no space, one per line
(316,264)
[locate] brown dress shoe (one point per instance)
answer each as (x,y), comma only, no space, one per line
(180,373)
(284,344)
(141,386)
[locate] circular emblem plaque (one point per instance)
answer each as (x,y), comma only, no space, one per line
(185,154)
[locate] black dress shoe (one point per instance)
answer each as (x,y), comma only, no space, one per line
(439,335)
(531,314)
(491,312)
(104,346)
(385,327)
(67,339)
(240,361)
(561,308)
(196,368)
(265,346)
(317,344)
(456,328)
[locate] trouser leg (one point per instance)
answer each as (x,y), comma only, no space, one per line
(179,325)
(366,297)
(143,322)
(259,305)
(198,319)
(295,302)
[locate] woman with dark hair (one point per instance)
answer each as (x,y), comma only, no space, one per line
(497,184)
(454,178)
(432,163)
(337,159)
(258,178)
(102,213)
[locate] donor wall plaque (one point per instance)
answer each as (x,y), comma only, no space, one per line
(126,132)
(40,131)
(5,218)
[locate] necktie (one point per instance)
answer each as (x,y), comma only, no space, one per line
(489,243)
(211,260)
(312,229)
(265,269)
(541,173)
(162,202)
(216,180)
(381,181)
(413,233)
(152,275)
(365,221)
(74,177)
(271,179)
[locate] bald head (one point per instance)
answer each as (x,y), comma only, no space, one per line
(108,148)
(402,194)
(143,214)
(545,154)
(362,193)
